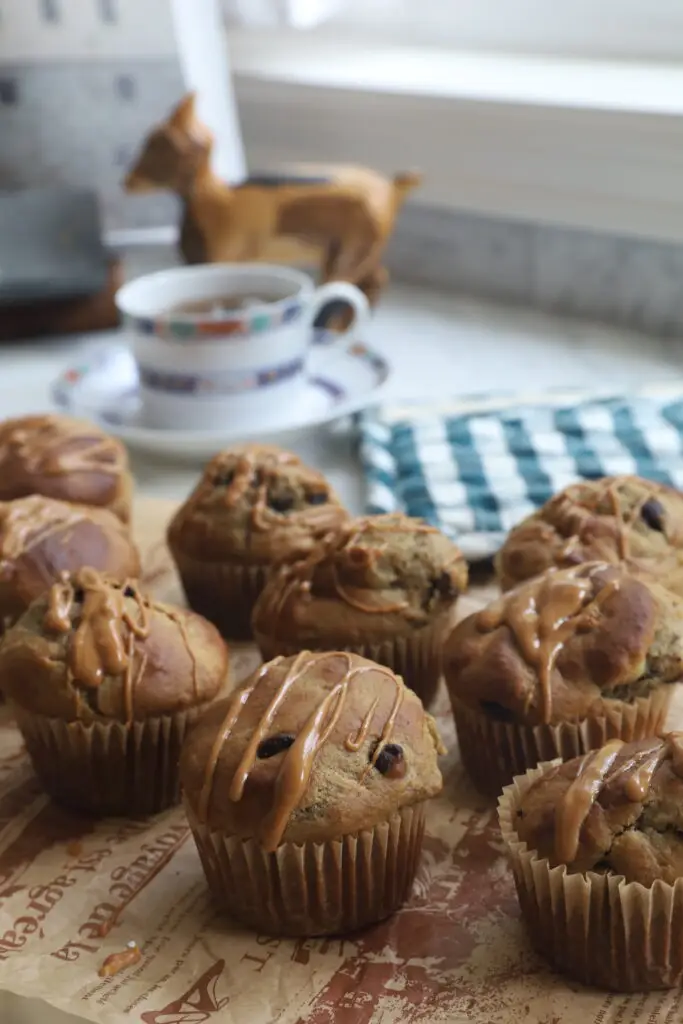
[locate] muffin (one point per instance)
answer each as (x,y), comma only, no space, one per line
(384,586)
(617,518)
(597,852)
(254,508)
(306,793)
(40,538)
(104,683)
(71,460)
(559,665)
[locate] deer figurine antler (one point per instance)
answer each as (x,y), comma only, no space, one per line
(347,212)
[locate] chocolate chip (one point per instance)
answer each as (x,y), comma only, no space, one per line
(390,760)
(444,585)
(224,479)
(317,497)
(652,513)
(128,592)
(358,556)
(281,502)
(274,745)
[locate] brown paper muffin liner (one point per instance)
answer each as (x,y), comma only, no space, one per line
(328,888)
(416,658)
(596,928)
(224,593)
(493,751)
(108,768)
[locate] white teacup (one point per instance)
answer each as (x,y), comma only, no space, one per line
(218,367)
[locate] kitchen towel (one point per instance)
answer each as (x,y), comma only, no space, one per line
(475,466)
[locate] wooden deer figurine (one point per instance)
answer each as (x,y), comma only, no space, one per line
(347,213)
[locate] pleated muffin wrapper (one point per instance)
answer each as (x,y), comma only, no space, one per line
(416,657)
(596,928)
(328,888)
(493,752)
(223,592)
(108,768)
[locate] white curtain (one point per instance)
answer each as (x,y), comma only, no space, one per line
(280,13)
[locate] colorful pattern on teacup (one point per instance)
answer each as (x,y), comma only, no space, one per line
(223,383)
(233,326)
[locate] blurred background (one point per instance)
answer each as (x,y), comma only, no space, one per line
(549,134)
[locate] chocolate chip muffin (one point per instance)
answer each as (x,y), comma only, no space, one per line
(384,586)
(68,459)
(597,851)
(559,665)
(615,519)
(40,538)
(104,683)
(254,508)
(306,792)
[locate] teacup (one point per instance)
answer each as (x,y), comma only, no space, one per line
(203,365)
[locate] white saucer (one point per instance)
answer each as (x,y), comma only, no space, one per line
(104,388)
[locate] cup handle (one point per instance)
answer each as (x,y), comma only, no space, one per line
(350,294)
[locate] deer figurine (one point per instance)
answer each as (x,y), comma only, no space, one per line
(347,213)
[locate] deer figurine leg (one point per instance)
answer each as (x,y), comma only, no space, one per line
(373,284)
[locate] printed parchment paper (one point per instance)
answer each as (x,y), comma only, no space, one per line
(73,891)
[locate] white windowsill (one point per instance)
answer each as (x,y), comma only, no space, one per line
(320,61)
(586,143)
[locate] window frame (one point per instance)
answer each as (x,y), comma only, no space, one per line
(603,29)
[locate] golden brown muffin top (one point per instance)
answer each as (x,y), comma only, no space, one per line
(617,809)
(92,648)
(59,457)
(42,537)
(555,647)
(617,518)
(312,747)
(376,575)
(256,503)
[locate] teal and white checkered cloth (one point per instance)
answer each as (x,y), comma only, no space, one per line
(475,467)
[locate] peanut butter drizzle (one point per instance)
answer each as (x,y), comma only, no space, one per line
(39,441)
(369,609)
(580,797)
(246,764)
(59,602)
(262,517)
(542,615)
(354,743)
(28,522)
(597,770)
(384,526)
(237,701)
(623,522)
(297,764)
(104,642)
(387,730)
(347,535)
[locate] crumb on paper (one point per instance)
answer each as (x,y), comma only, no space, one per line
(117,962)
(74,848)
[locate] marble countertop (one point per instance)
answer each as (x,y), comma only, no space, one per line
(438,346)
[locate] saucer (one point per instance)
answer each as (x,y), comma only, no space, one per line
(104,388)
